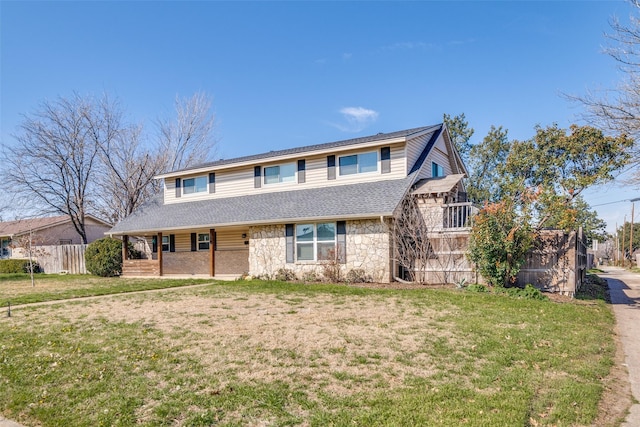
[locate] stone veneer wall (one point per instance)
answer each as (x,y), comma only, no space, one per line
(367,244)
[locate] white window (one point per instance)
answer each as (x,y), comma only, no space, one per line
(316,242)
(358,163)
(165,243)
(280,173)
(195,185)
(203,241)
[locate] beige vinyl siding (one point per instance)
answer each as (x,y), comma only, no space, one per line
(240,181)
(231,238)
(440,155)
(414,148)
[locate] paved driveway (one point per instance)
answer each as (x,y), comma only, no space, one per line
(625,297)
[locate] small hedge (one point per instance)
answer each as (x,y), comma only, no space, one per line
(17,266)
(104,257)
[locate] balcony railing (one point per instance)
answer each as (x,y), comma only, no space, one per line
(458,215)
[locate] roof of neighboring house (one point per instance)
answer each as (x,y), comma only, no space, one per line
(361,200)
(22,226)
(311,148)
(438,185)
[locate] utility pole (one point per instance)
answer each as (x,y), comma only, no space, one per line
(633,204)
(624,258)
(617,246)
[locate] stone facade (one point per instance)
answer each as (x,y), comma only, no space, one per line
(367,249)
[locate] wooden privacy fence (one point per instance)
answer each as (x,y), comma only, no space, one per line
(557,263)
(62,258)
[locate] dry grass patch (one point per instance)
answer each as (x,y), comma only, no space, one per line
(286,354)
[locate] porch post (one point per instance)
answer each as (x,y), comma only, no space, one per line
(125,246)
(160,254)
(212,252)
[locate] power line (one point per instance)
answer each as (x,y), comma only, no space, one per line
(618,201)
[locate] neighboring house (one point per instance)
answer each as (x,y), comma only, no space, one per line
(46,231)
(299,209)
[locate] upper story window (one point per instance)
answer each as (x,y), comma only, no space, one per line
(194,185)
(358,163)
(280,173)
(436,170)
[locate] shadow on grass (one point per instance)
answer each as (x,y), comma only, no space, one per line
(594,288)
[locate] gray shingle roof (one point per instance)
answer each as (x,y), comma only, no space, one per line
(298,150)
(368,199)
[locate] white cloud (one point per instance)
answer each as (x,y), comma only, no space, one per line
(357,118)
(411,46)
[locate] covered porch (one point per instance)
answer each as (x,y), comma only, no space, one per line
(220,253)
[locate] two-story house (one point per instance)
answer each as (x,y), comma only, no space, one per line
(298,209)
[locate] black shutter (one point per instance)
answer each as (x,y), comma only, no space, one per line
(301,171)
(212,182)
(385,159)
(331,167)
(341,243)
(194,242)
(154,244)
(172,242)
(257,172)
(178,190)
(289,239)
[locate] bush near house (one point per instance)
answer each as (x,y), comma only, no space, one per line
(17,266)
(104,257)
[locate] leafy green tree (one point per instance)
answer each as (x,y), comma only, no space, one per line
(592,226)
(499,242)
(549,171)
(460,134)
(486,161)
(534,184)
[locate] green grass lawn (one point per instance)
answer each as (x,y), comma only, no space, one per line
(17,288)
(273,353)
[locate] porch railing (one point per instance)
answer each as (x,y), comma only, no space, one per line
(458,215)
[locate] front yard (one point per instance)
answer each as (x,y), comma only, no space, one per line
(273,353)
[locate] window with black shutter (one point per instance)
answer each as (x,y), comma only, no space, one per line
(331,167)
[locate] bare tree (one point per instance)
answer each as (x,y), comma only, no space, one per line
(76,156)
(425,251)
(127,173)
(188,139)
(618,110)
(53,162)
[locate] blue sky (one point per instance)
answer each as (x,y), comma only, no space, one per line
(285,74)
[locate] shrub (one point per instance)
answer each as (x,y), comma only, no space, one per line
(475,287)
(285,275)
(357,275)
(529,292)
(331,268)
(104,257)
(310,276)
(18,266)
(499,242)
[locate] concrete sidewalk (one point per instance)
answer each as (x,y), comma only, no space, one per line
(8,423)
(625,297)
